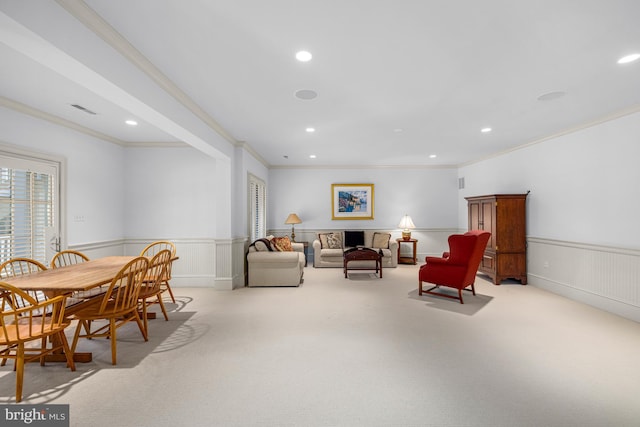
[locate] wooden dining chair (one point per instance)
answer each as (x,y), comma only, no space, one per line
(152,285)
(18,267)
(68,257)
(21,322)
(119,306)
(152,249)
(72,257)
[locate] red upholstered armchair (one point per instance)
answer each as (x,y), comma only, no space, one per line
(457,268)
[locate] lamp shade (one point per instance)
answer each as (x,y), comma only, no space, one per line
(293,219)
(406,223)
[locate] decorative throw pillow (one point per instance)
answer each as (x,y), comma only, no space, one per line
(262,245)
(323,240)
(334,241)
(381,240)
(282,244)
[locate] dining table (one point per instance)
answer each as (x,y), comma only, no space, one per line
(71,279)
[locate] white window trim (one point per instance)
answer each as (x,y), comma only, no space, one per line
(254,182)
(52,160)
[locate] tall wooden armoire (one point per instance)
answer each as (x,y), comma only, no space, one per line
(504,216)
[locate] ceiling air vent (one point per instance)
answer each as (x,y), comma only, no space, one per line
(81,108)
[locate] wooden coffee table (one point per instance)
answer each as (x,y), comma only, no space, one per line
(362,254)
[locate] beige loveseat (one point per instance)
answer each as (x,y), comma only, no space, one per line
(270,267)
(327,252)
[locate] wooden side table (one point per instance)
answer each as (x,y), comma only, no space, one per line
(407,260)
(306,252)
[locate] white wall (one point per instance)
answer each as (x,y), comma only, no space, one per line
(428,195)
(584,185)
(583,235)
(245,164)
(129,197)
(94,180)
(170,193)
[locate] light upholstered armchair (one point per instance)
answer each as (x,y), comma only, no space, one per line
(272,264)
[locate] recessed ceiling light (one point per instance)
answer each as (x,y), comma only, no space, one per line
(310,130)
(306,94)
(432,156)
(131,123)
(629,58)
(303,56)
(485,130)
(312,156)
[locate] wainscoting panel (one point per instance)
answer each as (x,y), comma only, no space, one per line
(196,266)
(240,248)
(196,260)
(216,263)
(605,277)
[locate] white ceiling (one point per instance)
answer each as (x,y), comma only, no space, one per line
(396,80)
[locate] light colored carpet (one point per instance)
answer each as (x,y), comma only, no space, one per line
(361,351)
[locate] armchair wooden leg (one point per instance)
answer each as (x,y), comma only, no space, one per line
(430,291)
(420,287)
(145,321)
(19,368)
(112,335)
(168,288)
(164,310)
(141,326)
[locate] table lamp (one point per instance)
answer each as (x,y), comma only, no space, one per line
(406,224)
(293,219)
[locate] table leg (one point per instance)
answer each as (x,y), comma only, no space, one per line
(80,357)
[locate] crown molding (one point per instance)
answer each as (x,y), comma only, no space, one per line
(25,109)
(156,144)
(33,112)
(249,149)
(365,167)
(94,22)
(586,125)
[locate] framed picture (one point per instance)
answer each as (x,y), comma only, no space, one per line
(352,201)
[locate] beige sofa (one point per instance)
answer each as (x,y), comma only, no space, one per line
(333,257)
(273,268)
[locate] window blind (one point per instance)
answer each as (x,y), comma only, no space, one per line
(258,202)
(26,210)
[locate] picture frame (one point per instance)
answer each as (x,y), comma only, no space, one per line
(352,201)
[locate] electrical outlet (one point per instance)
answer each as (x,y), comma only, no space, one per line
(546,264)
(78,218)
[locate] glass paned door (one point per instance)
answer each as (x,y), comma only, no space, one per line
(28,208)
